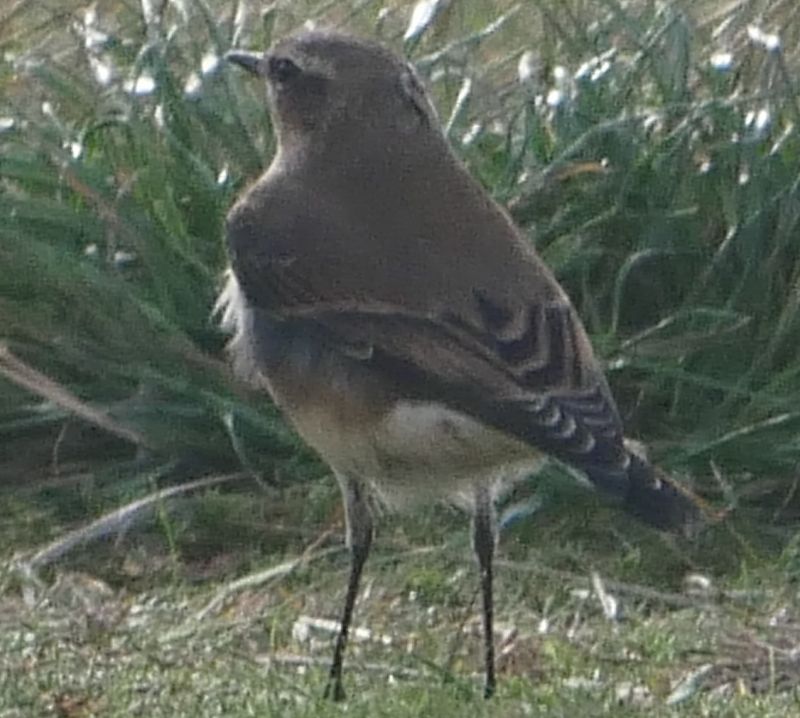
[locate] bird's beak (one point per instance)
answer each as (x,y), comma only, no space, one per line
(250,61)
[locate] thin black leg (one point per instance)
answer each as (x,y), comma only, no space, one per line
(359,539)
(483,541)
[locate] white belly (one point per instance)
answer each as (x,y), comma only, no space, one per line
(419,451)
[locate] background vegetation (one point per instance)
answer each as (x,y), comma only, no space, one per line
(650,149)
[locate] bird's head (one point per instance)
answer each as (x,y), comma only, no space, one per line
(331,84)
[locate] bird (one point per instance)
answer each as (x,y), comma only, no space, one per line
(401,321)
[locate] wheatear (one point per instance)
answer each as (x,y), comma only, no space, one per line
(403,323)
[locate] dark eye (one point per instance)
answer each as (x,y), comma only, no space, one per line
(282,69)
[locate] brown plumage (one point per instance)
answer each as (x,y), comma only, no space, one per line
(400,319)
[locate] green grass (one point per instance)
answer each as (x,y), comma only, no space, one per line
(658,177)
(128,647)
